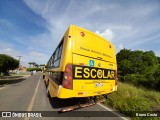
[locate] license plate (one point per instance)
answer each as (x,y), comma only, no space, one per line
(98,84)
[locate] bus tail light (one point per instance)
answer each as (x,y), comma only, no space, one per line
(116,78)
(82,34)
(67,78)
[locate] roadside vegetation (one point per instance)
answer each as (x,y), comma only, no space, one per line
(129,99)
(7,63)
(139,68)
(34,69)
(139,83)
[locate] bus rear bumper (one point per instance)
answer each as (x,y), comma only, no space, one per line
(67,93)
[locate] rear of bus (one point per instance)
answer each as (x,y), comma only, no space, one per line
(91,69)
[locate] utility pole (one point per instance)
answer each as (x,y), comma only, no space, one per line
(19,58)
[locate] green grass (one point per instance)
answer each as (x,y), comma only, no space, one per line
(130,98)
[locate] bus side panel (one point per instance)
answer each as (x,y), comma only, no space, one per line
(66,57)
(53,88)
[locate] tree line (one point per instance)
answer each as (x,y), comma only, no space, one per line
(139,68)
(7,63)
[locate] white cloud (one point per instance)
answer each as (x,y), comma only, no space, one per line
(129,26)
(4,45)
(31,56)
(8,49)
(47,10)
(44,41)
(121,46)
(121,27)
(107,34)
(35,56)
(157,53)
(59,14)
(145,40)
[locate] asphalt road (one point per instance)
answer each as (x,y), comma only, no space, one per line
(30,95)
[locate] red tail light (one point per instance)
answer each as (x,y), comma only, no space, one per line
(82,34)
(67,77)
(116,78)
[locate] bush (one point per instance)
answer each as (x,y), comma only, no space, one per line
(139,68)
(135,79)
(147,81)
(129,99)
(33,69)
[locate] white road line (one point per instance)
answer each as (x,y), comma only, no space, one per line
(33,99)
(112,111)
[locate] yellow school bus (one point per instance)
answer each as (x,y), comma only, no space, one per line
(82,65)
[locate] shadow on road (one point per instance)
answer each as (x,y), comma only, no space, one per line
(6,82)
(61,103)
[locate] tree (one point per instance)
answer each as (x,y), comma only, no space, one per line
(36,65)
(123,55)
(158,59)
(157,78)
(42,65)
(138,67)
(7,63)
(122,58)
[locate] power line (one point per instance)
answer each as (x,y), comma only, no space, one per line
(19,58)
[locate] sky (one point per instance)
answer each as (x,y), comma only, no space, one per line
(33,28)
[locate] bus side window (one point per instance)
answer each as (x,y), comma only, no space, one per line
(58,55)
(50,63)
(60,51)
(53,56)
